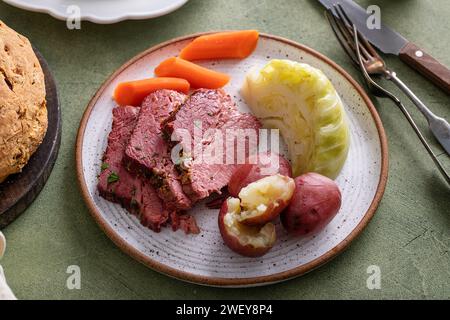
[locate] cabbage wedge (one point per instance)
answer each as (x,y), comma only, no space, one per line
(301,102)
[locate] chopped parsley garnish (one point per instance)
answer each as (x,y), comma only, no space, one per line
(104,166)
(113,177)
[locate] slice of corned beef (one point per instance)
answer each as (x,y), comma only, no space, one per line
(192,127)
(184,222)
(234,141)
(205,109)
(147,152)
(118,185)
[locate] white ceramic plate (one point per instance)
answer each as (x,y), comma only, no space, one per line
(101,11)
(204,258)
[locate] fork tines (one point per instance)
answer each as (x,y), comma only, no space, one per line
(342,27)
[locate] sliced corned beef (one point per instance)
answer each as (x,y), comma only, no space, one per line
(118,185)
(193,129)
(184,222)
(237,139)
(205,109)
(149,153)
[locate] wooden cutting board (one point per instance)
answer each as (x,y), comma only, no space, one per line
(20,190)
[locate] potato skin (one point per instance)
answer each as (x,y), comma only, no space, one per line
(315,203)
(269,215)
(251,171)
(232,241)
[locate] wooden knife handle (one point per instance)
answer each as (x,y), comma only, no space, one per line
(426,65)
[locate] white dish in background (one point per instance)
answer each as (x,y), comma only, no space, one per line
(204,259)
(102,11)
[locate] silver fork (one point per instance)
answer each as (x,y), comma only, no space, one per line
(348,37)
(375,65)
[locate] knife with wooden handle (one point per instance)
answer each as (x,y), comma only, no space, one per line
(426,65)
(391,42)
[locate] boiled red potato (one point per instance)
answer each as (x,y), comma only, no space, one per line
(244,240)
(315,203)
(262,201)
(257,167)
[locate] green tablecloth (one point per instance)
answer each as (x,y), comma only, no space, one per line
(408,237)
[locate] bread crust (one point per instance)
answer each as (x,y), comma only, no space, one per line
(23,111)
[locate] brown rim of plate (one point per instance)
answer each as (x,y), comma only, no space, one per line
(215,281)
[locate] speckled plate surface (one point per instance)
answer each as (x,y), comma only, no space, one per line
(204,259)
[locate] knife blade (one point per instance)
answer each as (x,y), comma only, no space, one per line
(391,42)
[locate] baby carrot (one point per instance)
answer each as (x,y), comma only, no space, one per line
(132,93)
(197,76)
(235,44)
